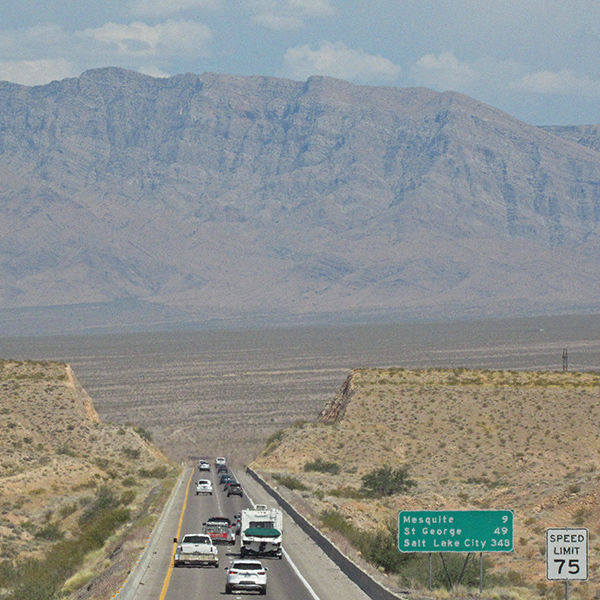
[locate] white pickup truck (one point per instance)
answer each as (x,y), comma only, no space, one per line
(195,549)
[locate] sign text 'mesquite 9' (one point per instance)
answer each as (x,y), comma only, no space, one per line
(455,531)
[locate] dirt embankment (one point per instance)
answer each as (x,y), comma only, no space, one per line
(524,441)
(55,457)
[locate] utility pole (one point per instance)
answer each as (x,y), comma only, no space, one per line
(565,360)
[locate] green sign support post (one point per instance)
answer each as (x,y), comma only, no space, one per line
(456,531)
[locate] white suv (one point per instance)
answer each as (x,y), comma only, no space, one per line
(204,486)
(246,575)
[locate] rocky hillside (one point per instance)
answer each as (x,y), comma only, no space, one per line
(59,467)
(522,441)
(128,201)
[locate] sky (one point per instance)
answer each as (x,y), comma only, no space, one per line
(535,59)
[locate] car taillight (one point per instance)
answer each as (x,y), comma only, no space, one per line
(262,572)
(232,572)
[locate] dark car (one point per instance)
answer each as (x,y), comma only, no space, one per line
(235,489)
(222,469)
(225,478)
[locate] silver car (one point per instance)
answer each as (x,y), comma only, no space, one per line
(246,575)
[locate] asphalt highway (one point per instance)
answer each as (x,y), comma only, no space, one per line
(304,573)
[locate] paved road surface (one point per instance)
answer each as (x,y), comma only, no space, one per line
(304,573)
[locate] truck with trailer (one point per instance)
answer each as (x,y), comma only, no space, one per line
(261,531)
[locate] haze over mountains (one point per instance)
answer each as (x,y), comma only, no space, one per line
(135,202)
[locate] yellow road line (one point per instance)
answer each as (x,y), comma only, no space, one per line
(168,577)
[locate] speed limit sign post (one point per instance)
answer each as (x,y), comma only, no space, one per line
(567,555)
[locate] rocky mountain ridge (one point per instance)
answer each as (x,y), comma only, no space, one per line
(129,200)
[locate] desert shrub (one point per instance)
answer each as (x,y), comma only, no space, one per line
(8,574)
(102,463)
(143,433)
(42,579)
(127,497)
(290,482)
(386,481)
(447,571)
(129,481)
(379,548)
(275,438)
(131,452)
(159,472)
(67,510)
(105,499)
(347,492)
(322,466)
(65,450)
(51,532)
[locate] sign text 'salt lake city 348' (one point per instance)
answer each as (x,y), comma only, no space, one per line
(455,531)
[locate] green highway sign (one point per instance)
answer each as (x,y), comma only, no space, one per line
(455,531)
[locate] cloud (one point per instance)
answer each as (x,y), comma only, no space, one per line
(337,60)
(278,23)
(312,7)
(288,14)
(154,72)
(142,40)
(444,71)
(36,72)
(165,8)
(564,82)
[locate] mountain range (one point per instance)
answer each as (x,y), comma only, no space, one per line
(133,202)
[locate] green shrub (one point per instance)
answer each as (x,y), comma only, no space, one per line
(127,497)
(67,510)
(42,579)
(131,452)
(386,481)
(347,492)
(379,548)
(446,572)
(51,532)
(322,466)
(274,440)
(143,433)
(291,482)
(157,473)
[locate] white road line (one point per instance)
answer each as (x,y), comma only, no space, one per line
(294,567)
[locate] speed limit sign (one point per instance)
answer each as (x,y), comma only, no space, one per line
(567,554)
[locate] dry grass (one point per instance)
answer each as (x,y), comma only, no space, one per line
(473,439)
(55,454)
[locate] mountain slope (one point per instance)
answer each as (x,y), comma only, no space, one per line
(211,196)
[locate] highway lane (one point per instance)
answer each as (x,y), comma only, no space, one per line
(155,579)
(205,582)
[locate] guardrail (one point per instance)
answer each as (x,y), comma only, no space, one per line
(363,580)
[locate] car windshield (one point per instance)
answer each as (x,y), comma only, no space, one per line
(247,566)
